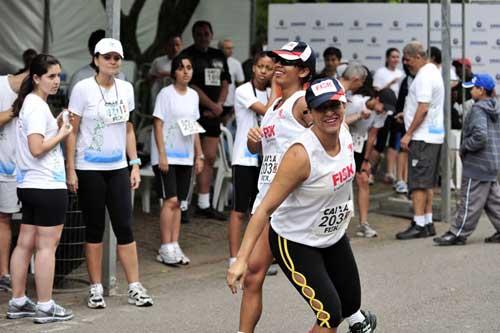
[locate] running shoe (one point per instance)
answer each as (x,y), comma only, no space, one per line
(495,238)
(367,326)
(371,179)
(168,257)
(365,230)
(210,213)
(138,296)
(5,282)
(400,187)
(28,309)
(96,297)
(181,257)
(272,270)
(55,313)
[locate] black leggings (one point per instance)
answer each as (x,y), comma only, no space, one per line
(327,278)
(98,190)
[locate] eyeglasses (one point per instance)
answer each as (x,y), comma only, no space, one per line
(108,57)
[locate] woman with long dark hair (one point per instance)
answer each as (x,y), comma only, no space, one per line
(41,182)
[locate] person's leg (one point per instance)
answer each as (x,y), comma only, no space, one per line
(47,239)
(5,239)
(492,207)
(258,264)
(20,260)
(209,148)
(363,196)
(170,220)
(390,160)
(403,166)
(236,220)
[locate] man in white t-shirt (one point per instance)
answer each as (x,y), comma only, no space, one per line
(237,77)
(424,123)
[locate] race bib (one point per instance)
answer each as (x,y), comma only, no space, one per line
(358,142)
(114,112)
(212,77)
(268,169)
(333,219)
(189,127)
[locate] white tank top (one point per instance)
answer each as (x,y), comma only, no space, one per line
(318,212)
(279,128)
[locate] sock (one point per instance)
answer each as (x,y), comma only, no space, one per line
(203,200)
(428,218)
(164,247)
(44,306)
(170,246)
(176,245)
(419,220)
(19,301)
(231,260)
(98,286)
(134,285)
(355,318)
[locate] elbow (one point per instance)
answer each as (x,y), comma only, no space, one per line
(36,152)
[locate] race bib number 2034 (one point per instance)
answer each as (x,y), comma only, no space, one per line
(333,219)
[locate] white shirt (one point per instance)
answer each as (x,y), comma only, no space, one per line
(83,73)
(245,97)
(7,134)
(160,65)
(427,87)
(170,107)
(47,171)
(384,75)
(359,129)
(318,212)
(237,75)
(101,143)
(279,128)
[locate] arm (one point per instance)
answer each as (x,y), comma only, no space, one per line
(223,92)
(370,142)
(293,170)
(160,144)
(301,112)
(6,116)
(199,158)
(71,178)
(135,177)
(479,132)
(420,115)
(39,145)
(206,102)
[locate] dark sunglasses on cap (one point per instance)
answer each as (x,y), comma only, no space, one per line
(108,57)
(286,62)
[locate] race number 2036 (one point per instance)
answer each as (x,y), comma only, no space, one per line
(332,219)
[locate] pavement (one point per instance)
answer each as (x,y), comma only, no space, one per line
(412,286)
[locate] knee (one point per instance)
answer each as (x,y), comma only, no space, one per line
(254,278)
(362,179)
(124,235)
(172,204)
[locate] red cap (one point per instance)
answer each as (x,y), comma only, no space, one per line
(464,61)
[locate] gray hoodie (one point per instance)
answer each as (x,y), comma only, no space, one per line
(480,148)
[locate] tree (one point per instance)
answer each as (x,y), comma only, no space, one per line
(173,17)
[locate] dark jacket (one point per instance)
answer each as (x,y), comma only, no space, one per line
(480,148)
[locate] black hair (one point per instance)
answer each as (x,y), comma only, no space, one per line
(177,63)
(435,55)
(255,49)
(388,54)
(28,56)
(199,24)
(94,38)
(329,51)
(367,87)
(260,55)
(39,66)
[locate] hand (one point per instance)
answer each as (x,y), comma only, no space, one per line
(72,180)
(399,117)
(65,130)
(217,109)
(163,164)
(254,135)
(198,165)
(405,142)
(366,166)
(236,275)
(135,177)
(365,114)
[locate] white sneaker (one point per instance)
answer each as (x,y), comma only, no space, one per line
(400,187)
(96,298)
(365,230)
(183,259)
(138,296)
(168,257)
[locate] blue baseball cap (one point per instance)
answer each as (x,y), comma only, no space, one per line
(323,90)
(485,81)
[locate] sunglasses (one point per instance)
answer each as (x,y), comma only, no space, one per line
(108,57)
(286,62)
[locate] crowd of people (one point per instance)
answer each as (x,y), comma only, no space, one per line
(303,139)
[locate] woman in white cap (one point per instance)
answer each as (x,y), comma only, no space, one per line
(97,167)
(309,206)
(41,187)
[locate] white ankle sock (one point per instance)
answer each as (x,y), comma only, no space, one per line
(44,306)
(419,220)
(98,286)
(231,260)
(203,200)
(428,218)
(357,317)
(164,247)
(134,284)
(19,300)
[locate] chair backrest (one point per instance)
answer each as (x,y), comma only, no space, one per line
(226,138)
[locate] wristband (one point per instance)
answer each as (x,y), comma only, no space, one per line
(201,157)
(136,161)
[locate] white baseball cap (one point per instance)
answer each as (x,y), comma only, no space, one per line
(107,45)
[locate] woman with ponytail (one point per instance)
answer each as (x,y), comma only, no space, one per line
(41,183)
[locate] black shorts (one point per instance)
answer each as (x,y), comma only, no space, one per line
(211,126)
(245,189)
(423,162)
(329,274)
(382,134)
(227,111)
(359,157)
(174,183)
(43,207)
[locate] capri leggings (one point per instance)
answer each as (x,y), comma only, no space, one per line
(327,278)
(98,190)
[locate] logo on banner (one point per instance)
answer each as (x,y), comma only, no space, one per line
(395,25)
(395,41)
(335,39)
(374,24)
(356,25)
(318,25)
(495,61)
(414,39)
(497,76)
(373,57)
(436,24)
(355,41)
(478,59)
(495,26)
(317,40)
(414,25)
(373,42)
(455,41)
(281,25)
(335,24)
(498,41)
(479,24)
(297,38)
(355,56)
(478,42)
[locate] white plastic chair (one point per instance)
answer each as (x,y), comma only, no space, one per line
(455,137)
(224,173)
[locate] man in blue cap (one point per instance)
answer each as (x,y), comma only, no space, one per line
(480,153)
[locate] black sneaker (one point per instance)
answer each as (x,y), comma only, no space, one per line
(210,213)
(367,326)
(448,238)
(431,231)
(414,231)
(495,238)
(184,216)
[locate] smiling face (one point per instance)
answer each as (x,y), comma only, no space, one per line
(393,59)
(289,72)
(48,83)
(109,63)
(329,117)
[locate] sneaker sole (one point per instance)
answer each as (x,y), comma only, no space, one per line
(160,259)
(96,305)
(46,320)
(145,304)
(19,315)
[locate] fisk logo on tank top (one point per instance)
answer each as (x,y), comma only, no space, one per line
(340,178)
(269,131)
